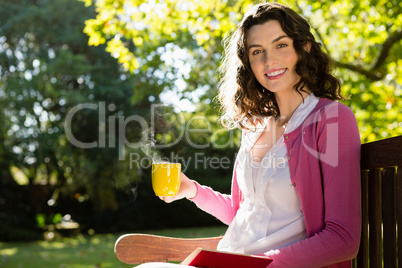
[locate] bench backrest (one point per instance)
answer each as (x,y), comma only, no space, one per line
(381,204)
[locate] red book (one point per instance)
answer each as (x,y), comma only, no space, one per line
(217,259)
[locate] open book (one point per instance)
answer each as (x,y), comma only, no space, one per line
(218,259)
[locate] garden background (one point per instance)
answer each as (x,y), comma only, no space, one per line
(92,91)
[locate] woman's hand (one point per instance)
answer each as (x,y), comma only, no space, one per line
(188,189)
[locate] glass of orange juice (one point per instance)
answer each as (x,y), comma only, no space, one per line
(166,178)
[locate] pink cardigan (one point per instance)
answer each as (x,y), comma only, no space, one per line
(324,162)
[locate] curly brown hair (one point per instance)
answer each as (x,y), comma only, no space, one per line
(243,99)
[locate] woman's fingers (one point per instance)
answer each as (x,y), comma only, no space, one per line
(187,190)
(168,199)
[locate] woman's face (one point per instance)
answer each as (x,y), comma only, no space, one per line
(272,57)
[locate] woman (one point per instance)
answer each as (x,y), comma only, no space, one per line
(296,182)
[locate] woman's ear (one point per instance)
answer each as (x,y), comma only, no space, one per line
(307,47)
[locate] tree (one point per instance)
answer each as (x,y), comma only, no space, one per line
(48,70)
(67,124)
(362,37)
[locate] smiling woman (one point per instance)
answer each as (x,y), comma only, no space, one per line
(252,53)
(279,90)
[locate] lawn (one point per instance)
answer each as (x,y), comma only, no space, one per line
(94,251)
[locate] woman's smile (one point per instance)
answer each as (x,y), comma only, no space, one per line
(275,74)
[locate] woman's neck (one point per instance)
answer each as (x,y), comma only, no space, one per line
(288,103)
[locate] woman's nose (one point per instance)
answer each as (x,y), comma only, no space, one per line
(270,59)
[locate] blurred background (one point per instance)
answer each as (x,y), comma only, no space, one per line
(92,91)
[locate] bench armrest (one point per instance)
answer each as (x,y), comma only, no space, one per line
(140,248)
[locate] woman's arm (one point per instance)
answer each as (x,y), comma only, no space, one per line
(222,206)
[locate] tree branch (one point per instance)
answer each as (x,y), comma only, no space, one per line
(386,47)
(370,74)
(376,72)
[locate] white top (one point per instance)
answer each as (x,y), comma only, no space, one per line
(270,216)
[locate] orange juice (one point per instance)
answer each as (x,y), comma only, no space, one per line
(166,178)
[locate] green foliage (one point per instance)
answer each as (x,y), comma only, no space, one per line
(47,72)
(362,37)
(364,40)
(47,69)
(43,219)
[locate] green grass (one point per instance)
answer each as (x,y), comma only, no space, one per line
(94,251)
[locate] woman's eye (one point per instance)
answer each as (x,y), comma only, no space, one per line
(255,52)
(282,45)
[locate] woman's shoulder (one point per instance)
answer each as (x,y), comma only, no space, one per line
(333,108)
(331,112)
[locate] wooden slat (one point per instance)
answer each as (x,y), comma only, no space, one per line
(139,248)
(375,238)
(362,257)
(399,213)
(382,154)
(389,216)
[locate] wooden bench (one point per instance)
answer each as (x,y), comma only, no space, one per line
(381,204)
(381,211)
